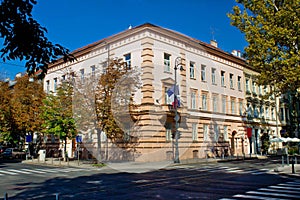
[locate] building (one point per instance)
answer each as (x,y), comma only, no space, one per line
(212,88)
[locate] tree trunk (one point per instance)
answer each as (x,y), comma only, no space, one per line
(65,150)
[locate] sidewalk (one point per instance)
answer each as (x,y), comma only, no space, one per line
(139,167)
(60,163)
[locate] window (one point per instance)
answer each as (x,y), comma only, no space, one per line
(259,90)
(272,113)
(63,78)
(282,114)
(82,75)
(47,86)
(253,87)
(193,100)
(194,132)
(223,104)
(215,103)
(213,76)
(267,113)
(192,70)
(255,111)
(168,99)
(128,60)
(223,78)
(247,85)
(225,134)
(203,78)
(261,111)
(205,132)
(167,63)
(239,83)
(93,68)
(55,85)
(241,108)
(232,106)
(231,80)
(216,132)
(204,101)
(168,132)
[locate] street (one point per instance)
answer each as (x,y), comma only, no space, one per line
(225,180)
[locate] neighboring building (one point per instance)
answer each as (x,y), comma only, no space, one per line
(212,89)
(262,112)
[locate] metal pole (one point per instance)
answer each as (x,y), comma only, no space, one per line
(176,160)
(5,196)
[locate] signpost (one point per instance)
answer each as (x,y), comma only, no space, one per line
(78,141)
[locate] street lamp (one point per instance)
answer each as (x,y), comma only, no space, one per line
(177,66)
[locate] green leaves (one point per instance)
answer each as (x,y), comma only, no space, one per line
(272,31)
(24,38)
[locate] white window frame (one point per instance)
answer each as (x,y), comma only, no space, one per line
(194,131)
(204,101)
(223,78)
(215,103)
(55,84)
(127,58)
(224,98)
(192,70)
(213,75)
(193,100)
(167,62)
(205,132)
(231,80)
(232,103)
(225,133)
(203,75)
(239,83)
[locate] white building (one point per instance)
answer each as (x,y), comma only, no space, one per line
(211,92)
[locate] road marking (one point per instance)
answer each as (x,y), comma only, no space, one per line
(34,171)
(17,171)
(273,194)
(281,187)
(260,171)
(256,197)
(6,172)
(273,190)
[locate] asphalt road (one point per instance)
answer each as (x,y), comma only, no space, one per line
(228,180)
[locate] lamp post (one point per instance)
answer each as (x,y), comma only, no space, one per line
(177,66)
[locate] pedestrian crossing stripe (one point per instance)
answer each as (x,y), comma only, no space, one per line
(282,191)
(37,171)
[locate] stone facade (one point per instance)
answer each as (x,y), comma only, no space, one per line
(211,91)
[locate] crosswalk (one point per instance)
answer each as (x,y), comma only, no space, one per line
(225,169)
(36,171)
(282,191)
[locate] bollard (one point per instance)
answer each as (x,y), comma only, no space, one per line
(59,161)
(287,160)
(293,166)
(282,161)
(52,160)
(57,196)
(68,161)
(5,196)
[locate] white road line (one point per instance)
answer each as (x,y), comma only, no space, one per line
(274,190)
(34,171)
(6,172)
(17,171)
(273,194)
(260,171)
(281,187)
(256,197)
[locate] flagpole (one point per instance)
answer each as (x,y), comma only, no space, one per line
(177,63)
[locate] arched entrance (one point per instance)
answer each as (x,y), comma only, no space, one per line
(232,143)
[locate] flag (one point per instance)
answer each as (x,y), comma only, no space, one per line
(176,103)
(171,90)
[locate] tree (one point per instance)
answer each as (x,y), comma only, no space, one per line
(271,28)
(20,109)
(24,38)
(114,101)
(7,125)
(58,114)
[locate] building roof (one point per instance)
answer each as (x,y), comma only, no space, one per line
(169,33)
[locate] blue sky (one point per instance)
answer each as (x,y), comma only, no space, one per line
(76,23)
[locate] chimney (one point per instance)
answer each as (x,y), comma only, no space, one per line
(234,52)
(214,43)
